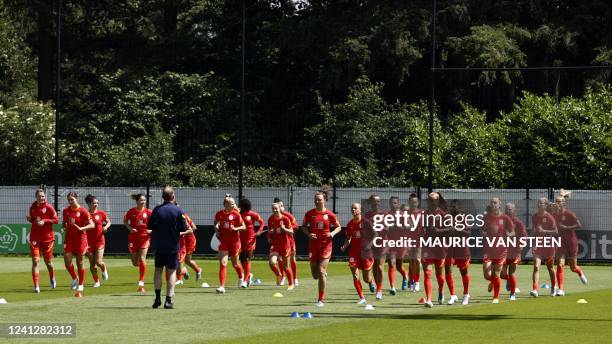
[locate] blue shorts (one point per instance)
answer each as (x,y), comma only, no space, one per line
(167,260)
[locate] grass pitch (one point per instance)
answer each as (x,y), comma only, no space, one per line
(115,312)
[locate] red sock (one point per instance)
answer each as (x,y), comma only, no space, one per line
(466,283)
(512,282)
(294,268)
(51,273)
(451,283)
(496,286)
(281,268)
(70,269)
(142,268)
(440,280)
(81,276)
(321,295)
(222,274)
(534,286)
(410,272)
(428,285)
(378,286)
(239,271)
(358,287)
(578,271)
(179,275)
(247,270)
(553,280)
(166,275)
(95,276)
(103,267)
(391,274)
(560,277)
(402,271)
(35,278)
(416,276)
(275,269)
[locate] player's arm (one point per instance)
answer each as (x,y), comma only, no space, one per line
(29,216)
(261,223)
(306,231)
(576,225)
(90,224)
(286,225)
(242,226)
(347,242)
(337,228)
(53,219)
(107,223)
(126,223)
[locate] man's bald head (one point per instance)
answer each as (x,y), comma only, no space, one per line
(168,194)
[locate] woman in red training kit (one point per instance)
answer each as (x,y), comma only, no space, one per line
(567,224)
(279,231)
(248,237)
(396,254)
(185,249)
(543,226)
(76,221)
(380,253)
(415,233)
(496,226)
(316,225)
(42,216)
(96,240)
(459,256)
(295,226)
(514,252)
(433,257)
(139,238)
(359,235)
(228,224)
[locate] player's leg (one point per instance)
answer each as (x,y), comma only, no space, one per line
(379,269)
(294,266)
(439,269)
(496,279)
(486,273)
(550,266)
(399,265)
(194,265)
(142,264)
(391,272)
(427,272)
(357,283)
(511,273)
(416,271)
(448,276)
(535,277)
(560,267)
(273,263)
(245,260)
(322,265)
(157,281)
(91,256)
(70,269)
(80,268)
(285,261)
(135,257)
(48,256)
(573,264)
(223,258)
(234,257)
(170,283)
(35,254)
(100,263)
(465,279)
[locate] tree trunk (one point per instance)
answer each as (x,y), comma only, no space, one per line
(45,51)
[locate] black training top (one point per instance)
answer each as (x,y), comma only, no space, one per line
(166,222)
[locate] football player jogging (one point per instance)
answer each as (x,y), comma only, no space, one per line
(496,226)
(96,240)
(42,217)
(292,259)
(76,221)
(414,253)
(190,247)
(316,225)
(248,237)
(544,226)
(433,257)
(459,256)
(514,252)
(139,238)
(396,254)
(227,225)
(182,253)
(567,224)
(380,253)
(359,237)
(279,230)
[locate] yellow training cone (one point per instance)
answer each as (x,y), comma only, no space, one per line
(582,301)
(277,295)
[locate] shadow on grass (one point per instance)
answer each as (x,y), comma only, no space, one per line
(434,316)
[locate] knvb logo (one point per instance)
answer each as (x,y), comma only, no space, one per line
(8,239)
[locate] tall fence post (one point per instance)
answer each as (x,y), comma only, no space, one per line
(334,197)
(148,194)
(527,215)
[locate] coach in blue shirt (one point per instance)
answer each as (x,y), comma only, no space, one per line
(166,223)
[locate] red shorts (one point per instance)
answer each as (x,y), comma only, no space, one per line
(414,252)
(190,244)
(361,263)
(248,245)
(516,260)
(498,261)
(78,248)
(292,241)
(461,263)
(281,252)
(568,249)
(544,253)
(182,253)
(98,245)
(439,262)
(136,244)
(319,251)
(232,248)
(36,247)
